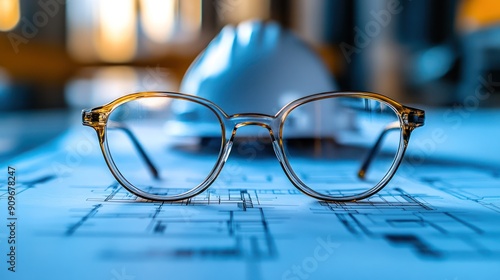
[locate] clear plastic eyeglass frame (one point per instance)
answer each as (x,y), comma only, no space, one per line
(409,119)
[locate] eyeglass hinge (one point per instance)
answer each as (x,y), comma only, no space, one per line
(414,117)
(93,118)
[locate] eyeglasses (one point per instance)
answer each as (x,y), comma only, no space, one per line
(334,146)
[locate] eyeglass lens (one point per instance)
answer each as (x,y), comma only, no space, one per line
(168,131)
(327,141)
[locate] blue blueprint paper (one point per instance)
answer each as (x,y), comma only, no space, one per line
(74,221)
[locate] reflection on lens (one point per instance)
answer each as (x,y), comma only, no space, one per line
(327,142)
(147,135)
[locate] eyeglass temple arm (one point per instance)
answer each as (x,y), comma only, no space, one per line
(412,118)
(137,145)
(374,150)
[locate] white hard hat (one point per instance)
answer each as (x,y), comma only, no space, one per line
(255,67)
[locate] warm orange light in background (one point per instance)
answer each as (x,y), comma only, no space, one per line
(158,19)
(190,11)
(120,31)
(117,32)
(231,11)
(9,14)
(475,14)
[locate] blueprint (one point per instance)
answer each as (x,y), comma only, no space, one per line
(74,221)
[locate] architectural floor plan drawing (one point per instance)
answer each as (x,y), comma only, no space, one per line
(433,221)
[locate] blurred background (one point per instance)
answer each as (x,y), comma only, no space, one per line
(64,55)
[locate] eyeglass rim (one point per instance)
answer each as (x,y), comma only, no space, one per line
(109,107)
(97,118)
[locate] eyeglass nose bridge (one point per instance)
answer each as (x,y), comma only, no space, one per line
(268,122)
(262,120)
